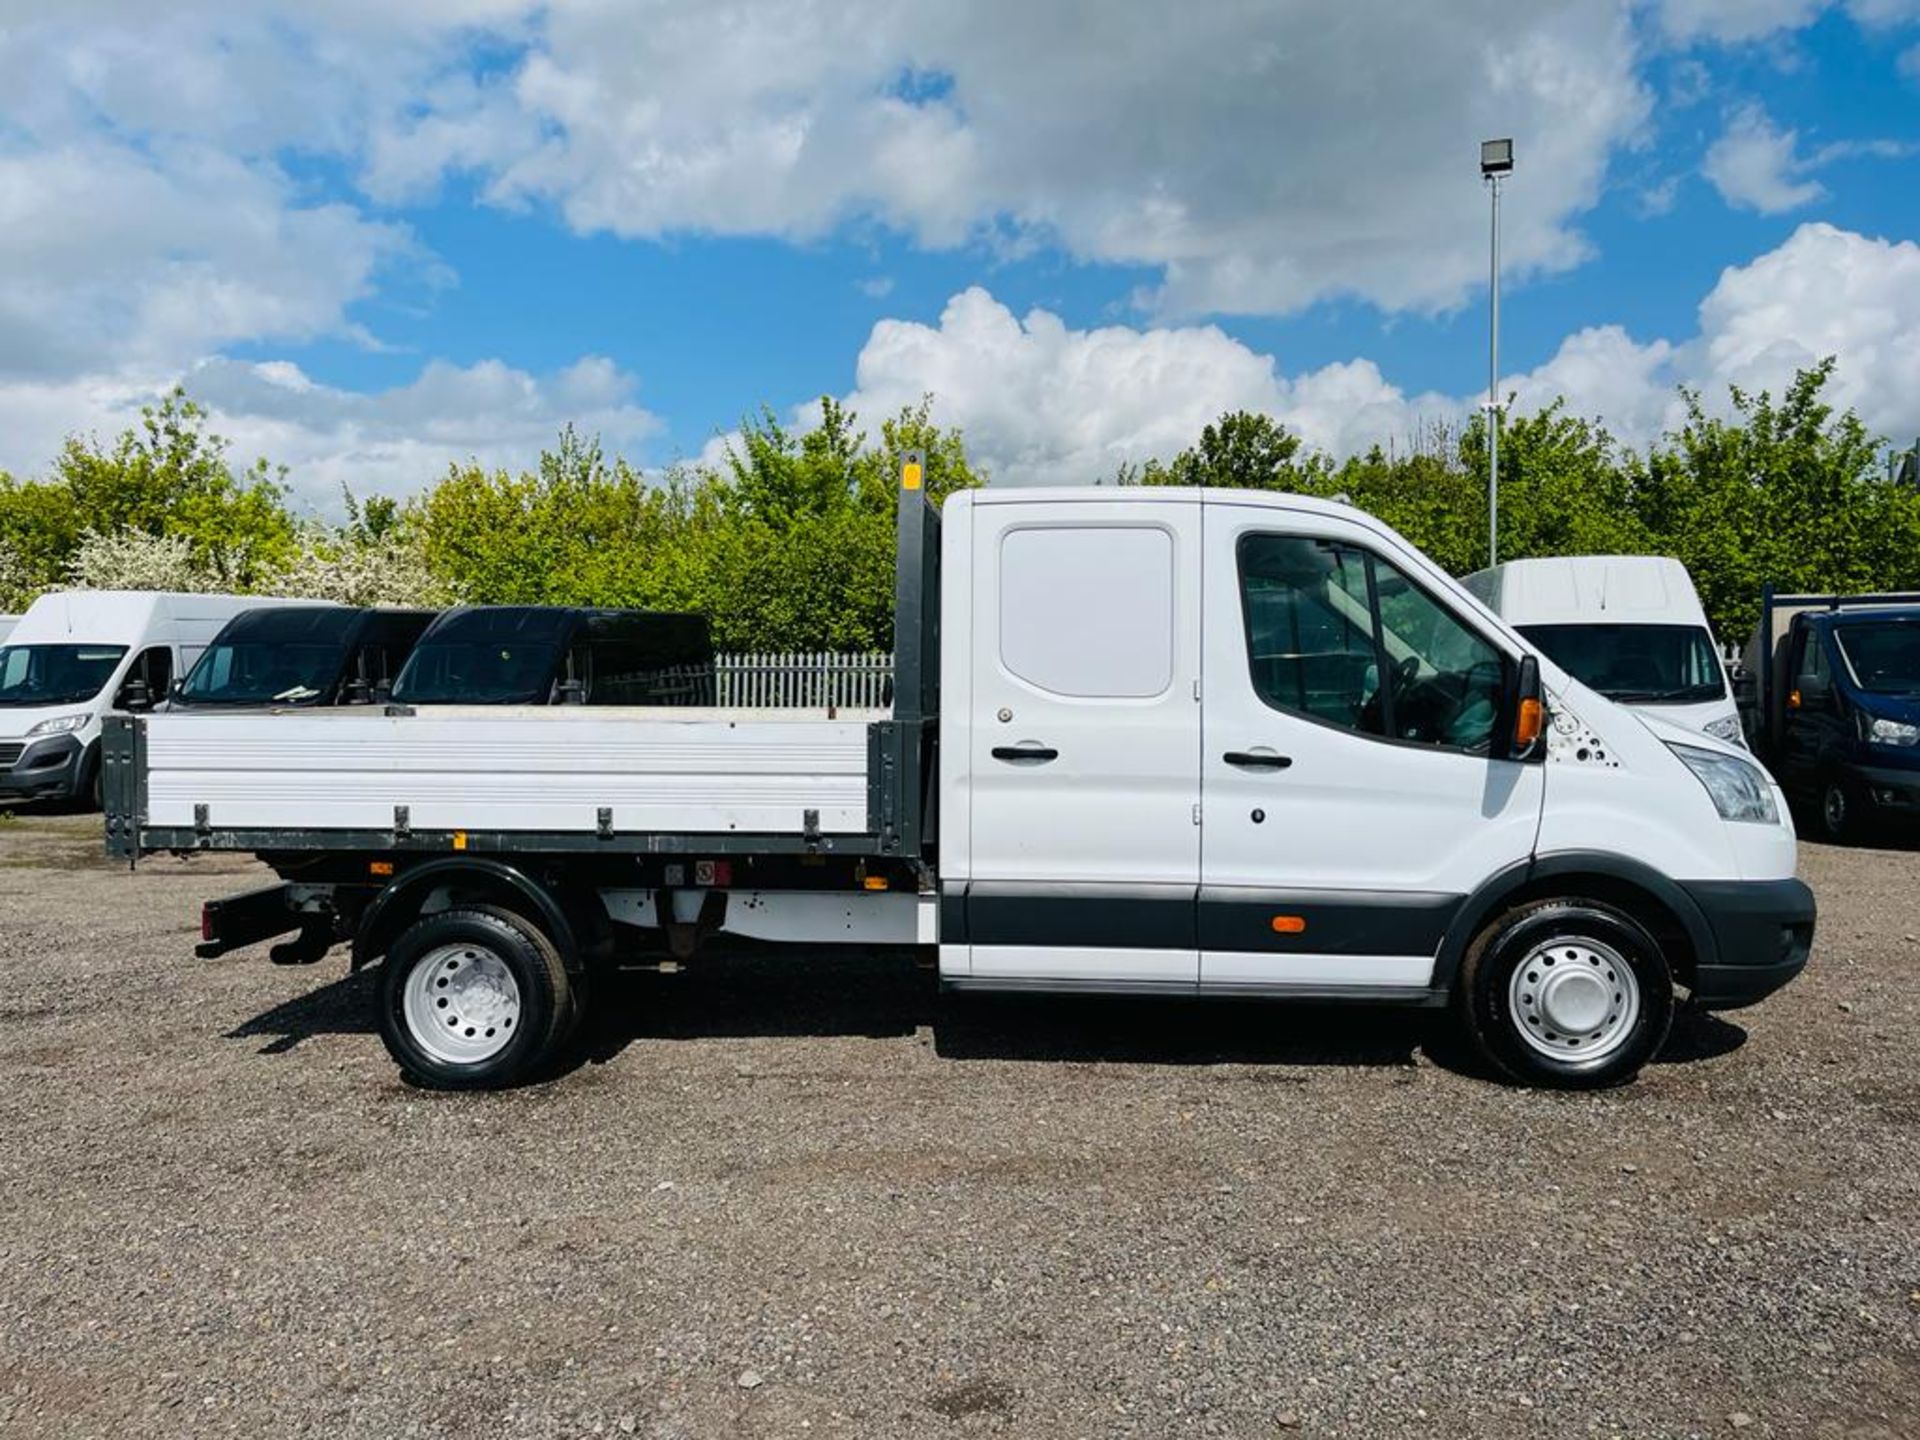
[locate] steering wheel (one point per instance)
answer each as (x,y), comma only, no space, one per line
(1405,673)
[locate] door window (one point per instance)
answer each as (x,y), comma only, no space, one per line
(155,667)
(1340,636)
(1812,674)
(1088,611)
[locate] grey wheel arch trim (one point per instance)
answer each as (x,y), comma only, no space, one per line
(1491,897)
(382,921)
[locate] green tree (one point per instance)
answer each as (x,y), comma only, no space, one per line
(168,476)
(1241,450)
(1785,492)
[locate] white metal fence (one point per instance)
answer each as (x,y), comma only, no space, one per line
(797,678)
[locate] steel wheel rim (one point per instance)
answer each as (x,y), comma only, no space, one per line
(461,1003)
(1574,999)
(1833,808)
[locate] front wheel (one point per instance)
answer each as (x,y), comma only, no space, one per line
(1567,994)
(474,999)
(1839,811)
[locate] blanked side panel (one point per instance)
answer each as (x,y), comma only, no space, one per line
(519,772)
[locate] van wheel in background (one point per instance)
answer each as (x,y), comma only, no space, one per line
(1567,993)
(1839,811)
(475,998)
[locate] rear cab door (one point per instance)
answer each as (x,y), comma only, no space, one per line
(1082,759)
(1351,796)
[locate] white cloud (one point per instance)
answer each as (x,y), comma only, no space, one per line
(1231,152)
(1736,20)
(385,442)
(1740,21)
(1824,292)
(1758,167)
(1040,402)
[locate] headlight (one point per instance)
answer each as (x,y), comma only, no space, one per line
(60,725)
(1739,790)
(1726,728)
(1892,732)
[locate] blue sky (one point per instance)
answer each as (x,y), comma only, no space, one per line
(377,238)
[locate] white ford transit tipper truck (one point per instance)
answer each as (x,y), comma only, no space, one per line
(79,655)
(1166,742)
(1630,626)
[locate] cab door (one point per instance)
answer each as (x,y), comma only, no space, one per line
(1084,749)
(1349,782)
(1813,729)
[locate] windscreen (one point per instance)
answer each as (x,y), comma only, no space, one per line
(1637,664)
(55,674)
(289,656)
(1883,654)
(503,656)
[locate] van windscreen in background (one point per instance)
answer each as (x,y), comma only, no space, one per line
(505,656)
(1636,664)
(280,656)
(1883,654)
(55,674)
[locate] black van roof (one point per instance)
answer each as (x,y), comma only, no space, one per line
(681,633)
(286,624)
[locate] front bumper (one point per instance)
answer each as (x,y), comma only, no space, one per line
(49,769)
(1889,790)
(1762,932)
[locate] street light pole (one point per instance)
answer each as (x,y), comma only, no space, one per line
(1496,163)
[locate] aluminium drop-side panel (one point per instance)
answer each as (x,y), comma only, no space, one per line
(546,770)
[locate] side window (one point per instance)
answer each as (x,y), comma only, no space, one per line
(154,666)
(634,672)
(1813,662)
(1339,635)
(1446,680)
(1088,611)
(1310,632)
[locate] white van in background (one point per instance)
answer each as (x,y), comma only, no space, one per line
(77,655)
(1629,626)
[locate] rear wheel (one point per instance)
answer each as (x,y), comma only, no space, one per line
(1569,994)
(475,999)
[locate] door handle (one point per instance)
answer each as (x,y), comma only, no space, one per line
(1257,759)
(1036,753)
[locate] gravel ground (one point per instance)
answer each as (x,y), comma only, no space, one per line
(785,1200)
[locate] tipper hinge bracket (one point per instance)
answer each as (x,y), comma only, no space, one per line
(402,822)
(603,822)
(810,828)
(202,825)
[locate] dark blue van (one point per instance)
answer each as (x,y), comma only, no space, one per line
(1838,718)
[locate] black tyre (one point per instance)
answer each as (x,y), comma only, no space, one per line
(1840,811)
(475,999)
(1566,994)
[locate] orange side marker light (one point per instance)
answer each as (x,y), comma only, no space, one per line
(1529,724)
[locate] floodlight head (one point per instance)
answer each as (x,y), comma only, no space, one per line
(1496,158)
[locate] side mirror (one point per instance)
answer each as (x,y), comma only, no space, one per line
(1813,694)
(357,691)
(1746,689)
(571,692)
(1527,713)
(136,694)
(382,691)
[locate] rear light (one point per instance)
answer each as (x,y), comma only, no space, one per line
(206,922)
